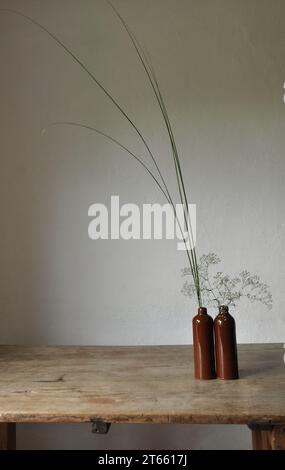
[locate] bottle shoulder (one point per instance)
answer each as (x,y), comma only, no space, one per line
(202,319)
(224,318)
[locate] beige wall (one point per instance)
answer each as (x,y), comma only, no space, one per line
(221,68)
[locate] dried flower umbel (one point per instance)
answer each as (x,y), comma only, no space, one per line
(221,289)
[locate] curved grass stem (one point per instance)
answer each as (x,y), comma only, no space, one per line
(112,139)
(179,174)
(98,83)
(191,253)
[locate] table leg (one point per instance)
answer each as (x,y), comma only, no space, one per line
(268,437)
(7,436)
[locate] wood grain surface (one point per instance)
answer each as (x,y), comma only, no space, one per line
(137,384)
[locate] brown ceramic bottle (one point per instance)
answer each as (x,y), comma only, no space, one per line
(225,345)
(203,345)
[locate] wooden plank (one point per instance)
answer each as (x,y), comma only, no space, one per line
(278,438)
(268,439)
(7,436)
(144,384)
(261,440)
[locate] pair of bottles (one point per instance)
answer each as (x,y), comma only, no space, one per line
(215,357)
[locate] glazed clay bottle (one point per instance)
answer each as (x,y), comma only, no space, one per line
(225,345)
(203,345)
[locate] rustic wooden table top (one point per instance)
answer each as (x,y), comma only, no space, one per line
(141,384)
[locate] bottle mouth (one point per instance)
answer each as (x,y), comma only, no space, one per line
(202,310)
(223,308)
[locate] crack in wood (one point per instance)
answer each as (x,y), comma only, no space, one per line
(59,379)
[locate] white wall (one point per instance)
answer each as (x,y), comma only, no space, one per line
(221,68)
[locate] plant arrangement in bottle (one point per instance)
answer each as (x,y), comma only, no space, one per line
(222,291)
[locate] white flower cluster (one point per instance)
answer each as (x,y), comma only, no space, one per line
(221,289)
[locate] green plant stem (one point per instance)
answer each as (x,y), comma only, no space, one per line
(138,159)
(98,83)
(76,124)
(179,175)
(191,254)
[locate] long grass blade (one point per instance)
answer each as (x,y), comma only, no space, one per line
(179,175)
(112,139)
(183,191)
(155,86)
(98,83)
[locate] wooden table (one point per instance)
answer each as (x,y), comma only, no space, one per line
(140,384)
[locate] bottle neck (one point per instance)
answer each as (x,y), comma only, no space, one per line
(223,309)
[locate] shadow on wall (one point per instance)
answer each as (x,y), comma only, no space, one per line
(145,436)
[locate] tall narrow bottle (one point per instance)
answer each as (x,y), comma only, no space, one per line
(203,345)
(225,345)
